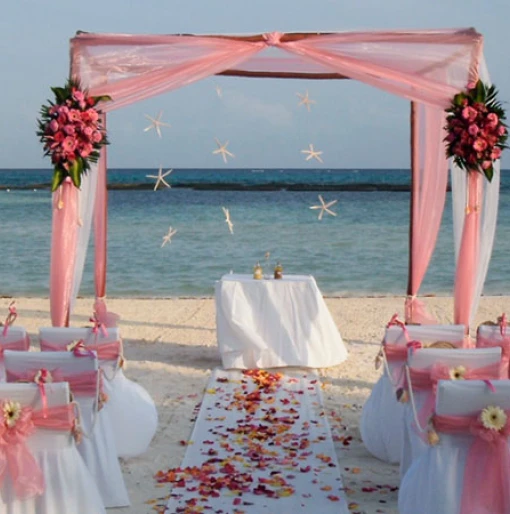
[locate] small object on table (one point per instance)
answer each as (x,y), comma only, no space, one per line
(257,272)
(278,271)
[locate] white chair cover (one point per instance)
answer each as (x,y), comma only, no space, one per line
(98,446)
(69,486)
(435,481)
(490,335)
(381,424)
(16,338)
(414,445)
(128,402)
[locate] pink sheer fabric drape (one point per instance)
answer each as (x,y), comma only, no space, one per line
(430,178)
(424,66)
(467,262)
(63,251)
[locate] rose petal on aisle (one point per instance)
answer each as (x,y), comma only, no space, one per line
(261,442)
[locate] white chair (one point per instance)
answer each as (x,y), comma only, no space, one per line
(435,482)
(98,444)
(381,424)
(128,402)
(15,338)
(492,335)
(68,484)
(426,368)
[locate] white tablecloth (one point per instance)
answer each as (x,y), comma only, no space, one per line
(275,323)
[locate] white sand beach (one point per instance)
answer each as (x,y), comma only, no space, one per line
(170,345)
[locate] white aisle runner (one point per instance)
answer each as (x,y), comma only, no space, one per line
(261,444)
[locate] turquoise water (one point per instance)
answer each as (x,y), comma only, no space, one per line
(363,250)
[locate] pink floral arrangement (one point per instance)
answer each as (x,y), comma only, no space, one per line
(71,132)
(476,130)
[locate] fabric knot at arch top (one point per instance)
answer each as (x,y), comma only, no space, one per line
(272,38)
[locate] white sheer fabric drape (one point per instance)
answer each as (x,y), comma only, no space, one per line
(489,213)
(86,198)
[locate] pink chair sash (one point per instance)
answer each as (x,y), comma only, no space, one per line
(81,384)
(483,342)
(19,345)
(427,379)
(104,351)
(16,458)
(486,486)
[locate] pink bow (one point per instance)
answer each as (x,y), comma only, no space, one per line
(486,480)
(80,350)
(272,38)
(16,458)
(11,318)
(98,326)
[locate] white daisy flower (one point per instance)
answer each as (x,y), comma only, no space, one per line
(493,418)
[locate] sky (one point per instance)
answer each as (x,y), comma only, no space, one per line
(354,125)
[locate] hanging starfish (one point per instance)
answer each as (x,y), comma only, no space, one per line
(168,237)
(324,207)
(313,154)
(156,123)
(222,149)
(227,220)
(305,100)
(160,178)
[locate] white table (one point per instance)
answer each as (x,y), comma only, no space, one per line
(275,323)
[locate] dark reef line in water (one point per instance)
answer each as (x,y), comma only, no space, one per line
(233,186)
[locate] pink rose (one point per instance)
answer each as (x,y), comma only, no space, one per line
(501,130)
(480,144)
(97,136)
(492,119)
(486,165)
(93,115)
(468,113)
(87,131)
(53,125)
(473,129)
(86,150)
(496,153)
(69,130)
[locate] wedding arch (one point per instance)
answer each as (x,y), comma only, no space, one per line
(426,67)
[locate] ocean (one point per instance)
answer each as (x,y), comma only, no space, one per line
(363,250)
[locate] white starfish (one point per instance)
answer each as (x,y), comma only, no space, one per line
(218,91)
(227,220)
(168,237)
(156,123)
(324,207)
(222,149)
(305,100)
(160,178)
(312,154)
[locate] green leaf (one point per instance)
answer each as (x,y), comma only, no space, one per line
(75,170)
(57,179)
(103,98)
(489,173)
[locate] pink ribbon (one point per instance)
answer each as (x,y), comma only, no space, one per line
(483,342)
(19,345)
(98,326)
(427,379)
(105,351)
(15,457)
(81,384)
(503,324)
(272,38)
(486,485)
(10,319)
